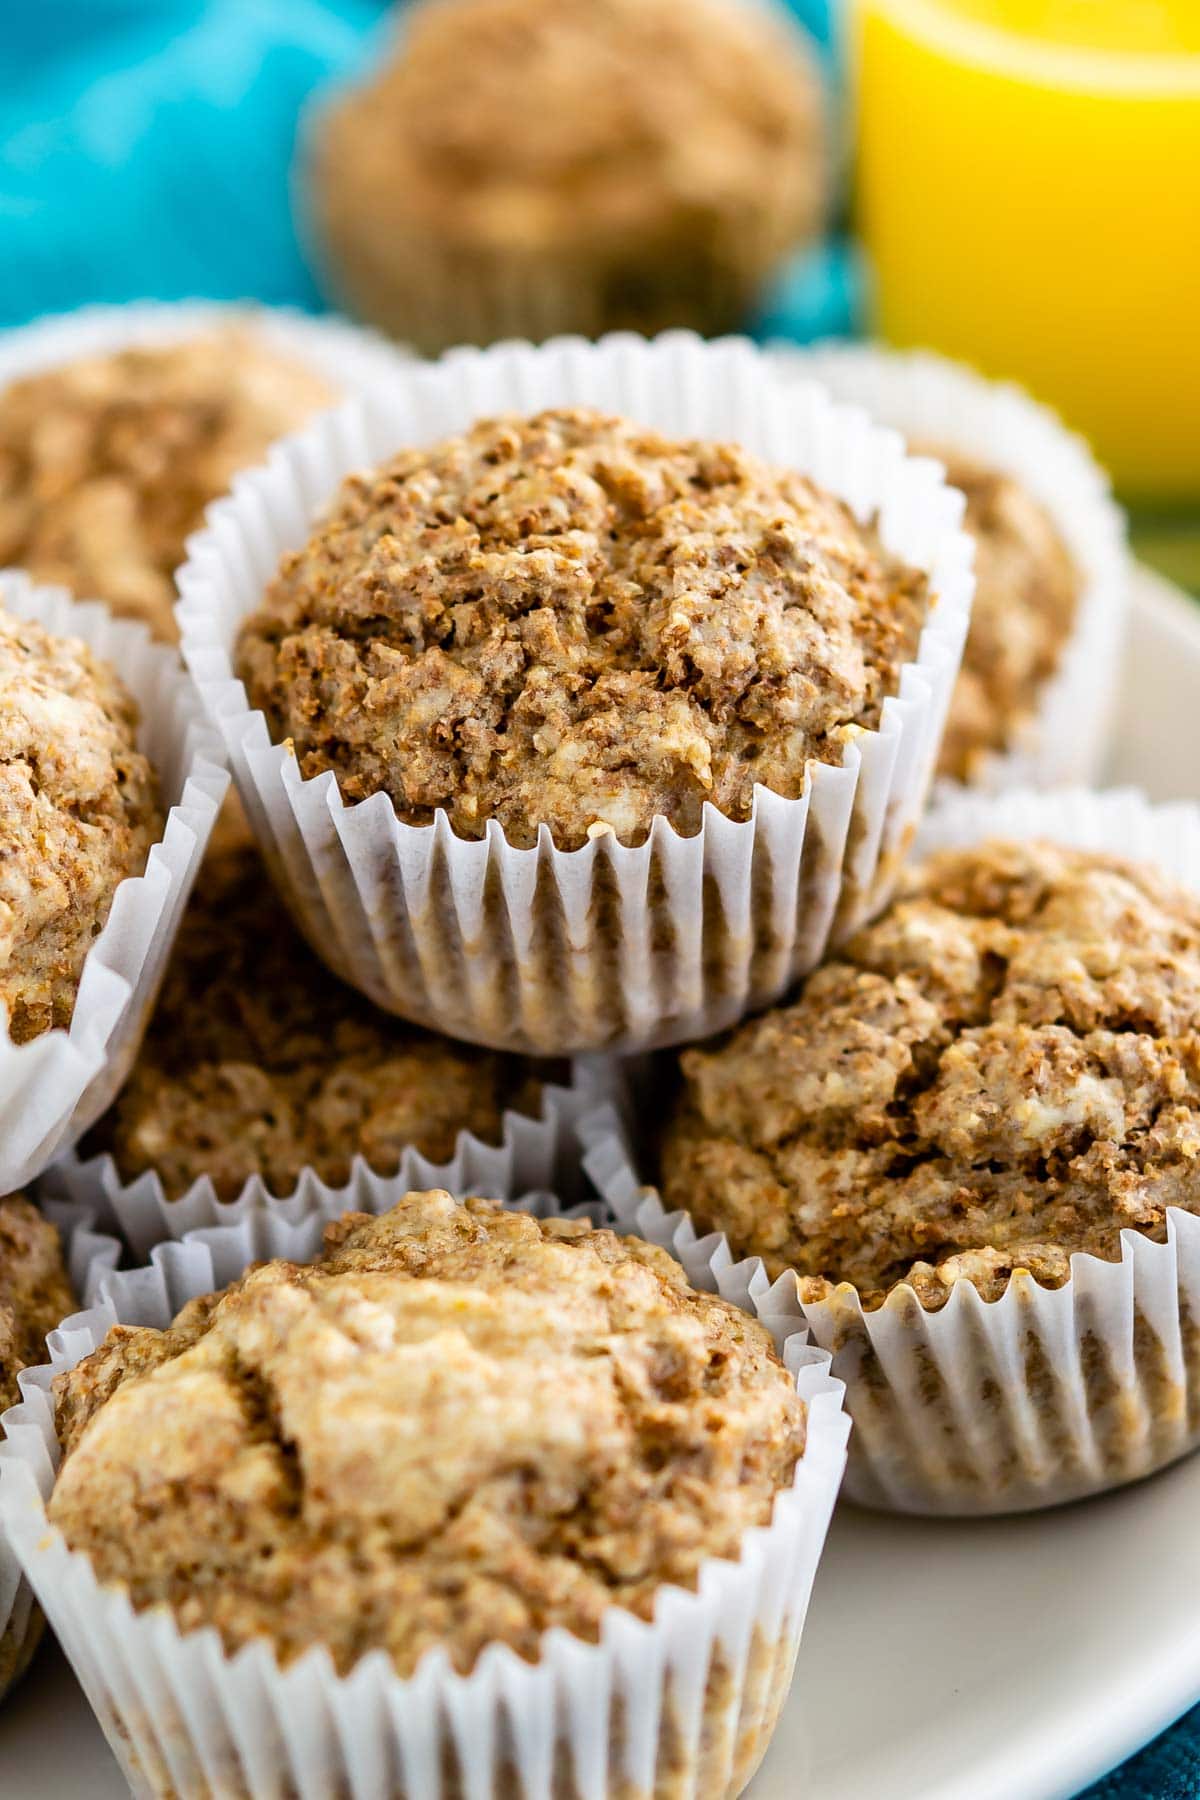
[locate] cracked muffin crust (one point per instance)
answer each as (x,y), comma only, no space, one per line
(570,620)
(651,162)
(1002,1070)
(79,812)
(458,1426)
(1027,591)
(35,1291)
(258,1061)
(107,464)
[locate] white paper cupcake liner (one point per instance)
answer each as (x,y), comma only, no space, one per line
(553,951)
(934,401)
(535,1155)
(351,358)
(435,294)
(683,1704)
(55,1086)
(1045,1395)
(87,1255)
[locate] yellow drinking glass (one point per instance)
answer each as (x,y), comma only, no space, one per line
(1028,191)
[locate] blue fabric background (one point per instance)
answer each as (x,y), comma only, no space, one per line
(145,144)
(144,153)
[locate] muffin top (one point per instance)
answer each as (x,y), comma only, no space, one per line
(107,464)
(258,1061)
(571,620)
(35,1292)
(1002,1070)
(1026,594)
(79,805)
(458,1426)
(527,123)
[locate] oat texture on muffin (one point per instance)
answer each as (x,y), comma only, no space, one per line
(35,1292)
(79,811)
(459,1426)
(259,1062)
(652,163)
(570,620)
(1002,1070)
(1027,591)
(107,464)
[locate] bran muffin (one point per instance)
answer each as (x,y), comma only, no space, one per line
(530,167)
(359,1453)
(35,1291)
(79,812)
(570,620)
(1027,592)
(35,1297)
(259,1062)
(1001,1071)
(108,463)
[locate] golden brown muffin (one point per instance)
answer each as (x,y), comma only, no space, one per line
(573,621)
(459,1426)
(107,464)
(35,1297)
(1027,592)
(79,811)
(527,167)
(1003,1070)
(35,1291)
(258,1061)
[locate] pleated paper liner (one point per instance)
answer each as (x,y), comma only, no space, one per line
(932,401)
(1045,1395)
(552,951)
(682,1704)
(432,294)
(53,1087)
(537,1153)
(87,1255)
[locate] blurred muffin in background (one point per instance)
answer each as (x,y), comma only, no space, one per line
(519,168)
(1033,703)
(1027,592)
(107,463)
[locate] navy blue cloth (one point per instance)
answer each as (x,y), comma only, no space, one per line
(145,148)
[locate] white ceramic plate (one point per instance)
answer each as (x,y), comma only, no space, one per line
(1016,1659)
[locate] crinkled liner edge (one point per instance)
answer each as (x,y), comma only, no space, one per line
(1066,737)
(1149,1279)
(54,1086)
(343,352)
(140,1671)
(536,1154)
(88,1255)
(271,507)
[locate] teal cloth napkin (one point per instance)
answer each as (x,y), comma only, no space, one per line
(144,153)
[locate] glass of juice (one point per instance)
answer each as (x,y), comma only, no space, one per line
(1028,193)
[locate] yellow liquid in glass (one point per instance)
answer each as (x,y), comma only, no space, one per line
(1029,194)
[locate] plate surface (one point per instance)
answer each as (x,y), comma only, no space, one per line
(1008,1660)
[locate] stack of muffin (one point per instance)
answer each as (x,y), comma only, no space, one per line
(582,702)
